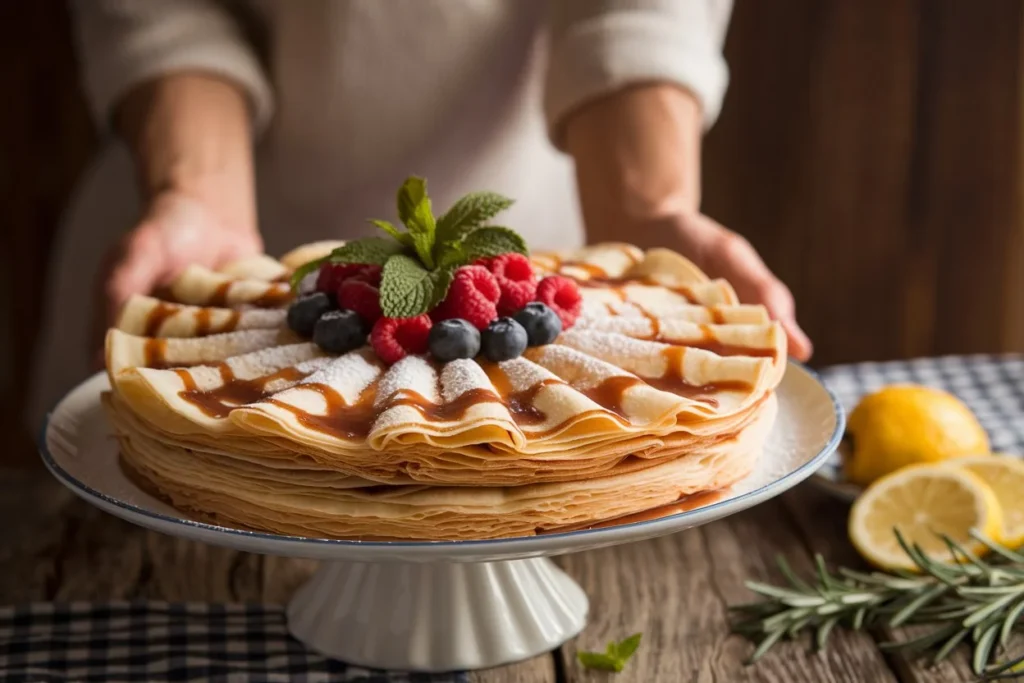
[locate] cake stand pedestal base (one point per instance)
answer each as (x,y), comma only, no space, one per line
(437,616)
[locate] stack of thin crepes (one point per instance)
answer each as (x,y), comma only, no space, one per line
(663,389)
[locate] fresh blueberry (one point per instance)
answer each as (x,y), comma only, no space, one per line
(453,339)
(503,339)
(340,331)
(306,310)
(542,324)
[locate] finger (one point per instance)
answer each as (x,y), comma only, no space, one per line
(137,269)
(755,283)
(777,298)
(800,346)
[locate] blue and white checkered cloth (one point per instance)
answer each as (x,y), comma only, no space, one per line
(155,641)
(992,386)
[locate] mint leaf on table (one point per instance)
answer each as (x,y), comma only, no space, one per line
(625,649)
(492,241)
(614,657)
(600,661)
(469,213)
(373,250)
(408,289)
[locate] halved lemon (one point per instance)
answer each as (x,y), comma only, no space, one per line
(925,503)
(1004,474)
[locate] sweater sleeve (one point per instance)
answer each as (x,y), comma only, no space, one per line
(123,43)
(599,46)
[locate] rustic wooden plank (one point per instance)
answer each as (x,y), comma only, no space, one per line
(822,522)
(537,670)
(968,198)
(675,590)
(31,534)
(57,547)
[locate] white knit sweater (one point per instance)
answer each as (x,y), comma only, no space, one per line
(351,96)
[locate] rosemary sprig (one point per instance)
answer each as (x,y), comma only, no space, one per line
(972,600)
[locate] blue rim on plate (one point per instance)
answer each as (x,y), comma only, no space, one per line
(800,473)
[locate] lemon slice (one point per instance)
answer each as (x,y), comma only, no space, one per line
(924,502)
(1004,474)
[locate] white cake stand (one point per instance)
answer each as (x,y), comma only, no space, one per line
(440,606)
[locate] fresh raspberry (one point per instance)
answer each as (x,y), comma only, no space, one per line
(369,273)
(473,296)
(360,296)
(395,338)
(333,274)
(563,297)
(516,281)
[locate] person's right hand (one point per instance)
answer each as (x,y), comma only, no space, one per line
(177,230)
(192,144)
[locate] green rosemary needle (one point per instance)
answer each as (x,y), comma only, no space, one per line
(976,601)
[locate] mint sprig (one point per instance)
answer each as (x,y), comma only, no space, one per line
(469,213)
(614,657)
(420,262)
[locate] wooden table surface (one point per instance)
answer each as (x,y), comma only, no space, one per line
(675,589)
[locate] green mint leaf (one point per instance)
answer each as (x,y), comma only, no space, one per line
(442,280)
(402,237)
(423,243)
(411,195)
(600,661)
(373,250)
(469,213)
(492,241)
(408,289)
(614,657)
(451,255)
(625,649)
(415,211)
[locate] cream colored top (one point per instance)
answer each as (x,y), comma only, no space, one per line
(351,96)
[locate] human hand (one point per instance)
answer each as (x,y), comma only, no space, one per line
(191,140)
(637,155)
(176,231)
(722,253)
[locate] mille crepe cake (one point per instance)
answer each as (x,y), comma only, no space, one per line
(438,384)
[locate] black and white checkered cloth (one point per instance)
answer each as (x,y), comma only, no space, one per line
(992,386)
(156,641)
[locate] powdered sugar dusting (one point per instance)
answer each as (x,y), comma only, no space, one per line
(412,373)
(218,346)
(631,326)
(523,375)
(261,318)
(349,375)
(267,361)
(460,376)
(306,368)
(580,370)
(610,346)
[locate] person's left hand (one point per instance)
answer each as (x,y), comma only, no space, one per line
(637,155)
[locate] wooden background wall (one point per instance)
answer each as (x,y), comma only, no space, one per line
(871,150)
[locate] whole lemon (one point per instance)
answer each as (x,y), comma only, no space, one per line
(906,424)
